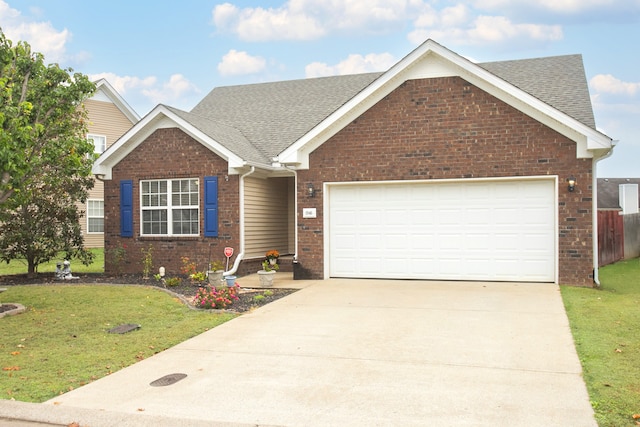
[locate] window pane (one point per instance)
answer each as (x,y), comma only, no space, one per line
(99,143)
(96,225)
(95,216)
(185,221)
(154,221)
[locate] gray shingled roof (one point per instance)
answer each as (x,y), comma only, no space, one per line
(274,115)
(609,190)
(261,120)
(227,136)
(559,81)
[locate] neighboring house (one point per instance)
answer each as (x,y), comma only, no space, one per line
(438,168)
(109,118)
(618,219)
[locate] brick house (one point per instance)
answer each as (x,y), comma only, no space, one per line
(438,168)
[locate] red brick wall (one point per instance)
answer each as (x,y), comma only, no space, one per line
(167,154)
(448,128)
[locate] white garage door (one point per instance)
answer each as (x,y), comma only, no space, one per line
(477,230)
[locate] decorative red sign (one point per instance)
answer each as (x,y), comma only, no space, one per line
(228,252)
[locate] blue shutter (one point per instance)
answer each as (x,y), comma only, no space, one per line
(126,208)
(211,206)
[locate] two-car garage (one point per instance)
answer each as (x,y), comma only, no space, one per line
(474,229)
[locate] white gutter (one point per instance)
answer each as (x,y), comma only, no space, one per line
(594,186)
(240,255)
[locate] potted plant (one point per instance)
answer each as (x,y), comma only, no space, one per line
(215,273)
(272,257)
(269,268)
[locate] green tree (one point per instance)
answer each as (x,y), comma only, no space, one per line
(45,158)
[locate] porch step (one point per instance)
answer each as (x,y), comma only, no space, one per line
(286,263)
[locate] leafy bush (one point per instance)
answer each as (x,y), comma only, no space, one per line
(147,261)
(173,281)
(217,266)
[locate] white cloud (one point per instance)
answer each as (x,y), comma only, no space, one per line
(258,24)
(42,36)
(558,6)
(460,25)
(240,63)
(172,91)
(354,64)
(126,84)
(312,19)
(224,15)
(147,92)
(608,84)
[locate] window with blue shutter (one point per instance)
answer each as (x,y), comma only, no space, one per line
(211,206)
(126,208)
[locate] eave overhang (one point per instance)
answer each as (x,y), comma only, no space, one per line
(160,117)
(431,60)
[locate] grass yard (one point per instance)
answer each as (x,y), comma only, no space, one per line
(61,342)
(20,267)
(605,324)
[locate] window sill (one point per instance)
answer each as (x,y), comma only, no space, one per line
(168,238)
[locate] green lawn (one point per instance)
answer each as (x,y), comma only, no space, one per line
(20,267)
(61,342)
(605,324)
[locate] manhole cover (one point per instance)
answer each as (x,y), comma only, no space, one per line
(123,329)
(167,380)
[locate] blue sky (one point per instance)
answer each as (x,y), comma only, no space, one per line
(176,52)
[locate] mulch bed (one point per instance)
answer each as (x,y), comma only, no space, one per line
(7,307)
(186,290)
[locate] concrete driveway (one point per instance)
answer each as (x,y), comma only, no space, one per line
(358,353)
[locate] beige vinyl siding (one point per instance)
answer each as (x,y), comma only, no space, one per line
(268,216)
(104,119)
(292,213)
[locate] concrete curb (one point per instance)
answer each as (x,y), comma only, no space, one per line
(24,414)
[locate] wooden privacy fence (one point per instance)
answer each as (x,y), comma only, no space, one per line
(610,237)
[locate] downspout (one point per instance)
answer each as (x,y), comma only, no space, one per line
(240,255)
(594,209)
(295,216)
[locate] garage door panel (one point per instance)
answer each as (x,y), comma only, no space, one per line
(497,230)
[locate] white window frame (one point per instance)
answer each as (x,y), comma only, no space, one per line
(169,202)
(93,137)
(90,216)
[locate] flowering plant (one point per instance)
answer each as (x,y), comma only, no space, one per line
(272,254)
(189,268)
(219,298)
